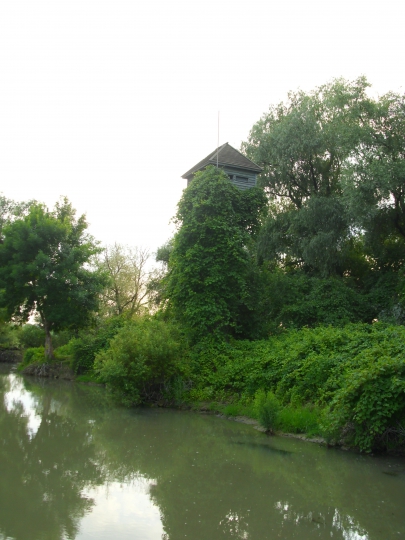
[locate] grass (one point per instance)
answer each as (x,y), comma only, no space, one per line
(232,409)
(302,419)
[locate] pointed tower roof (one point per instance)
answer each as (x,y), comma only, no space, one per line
(227,155)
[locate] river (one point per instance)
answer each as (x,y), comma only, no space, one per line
(73,466)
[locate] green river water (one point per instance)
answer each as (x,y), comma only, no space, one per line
(74,466)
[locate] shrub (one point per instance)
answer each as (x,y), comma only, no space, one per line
(89,343)
(233,409)
(141,357)
(64,352)
(267,408)
(177,389)
(371,402)
(34,355)
(356,372)
(304,419)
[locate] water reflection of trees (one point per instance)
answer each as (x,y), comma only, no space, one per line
(43,474)
(234,486)
(212,479)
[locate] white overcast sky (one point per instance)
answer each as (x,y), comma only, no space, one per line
(110,101)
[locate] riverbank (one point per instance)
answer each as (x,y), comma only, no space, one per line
(302,436)
(342,384)
(61,370)
(57,370)
(321,441)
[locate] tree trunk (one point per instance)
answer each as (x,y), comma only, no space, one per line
(48,341)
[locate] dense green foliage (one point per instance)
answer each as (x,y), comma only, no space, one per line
(141,359)
(302,146)
(14,336)
(267,408)
(33,355)
(333,163)
(207,284)
(91,341)
(296,299)
(355,373)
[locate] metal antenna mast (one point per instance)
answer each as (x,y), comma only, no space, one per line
(218,141)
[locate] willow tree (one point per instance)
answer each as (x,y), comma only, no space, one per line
(44,269)
(303,145)
(333,165)
(375,182)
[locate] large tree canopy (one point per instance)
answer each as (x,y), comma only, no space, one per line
(44,268)
(334,170)
(208,267)
(304,146)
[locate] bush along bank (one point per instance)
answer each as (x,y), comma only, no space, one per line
(345,384)
(73,359)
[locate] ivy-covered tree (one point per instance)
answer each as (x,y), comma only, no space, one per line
(157,278)
(44,268)
(207,282)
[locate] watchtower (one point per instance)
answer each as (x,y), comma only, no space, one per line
(241,171)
